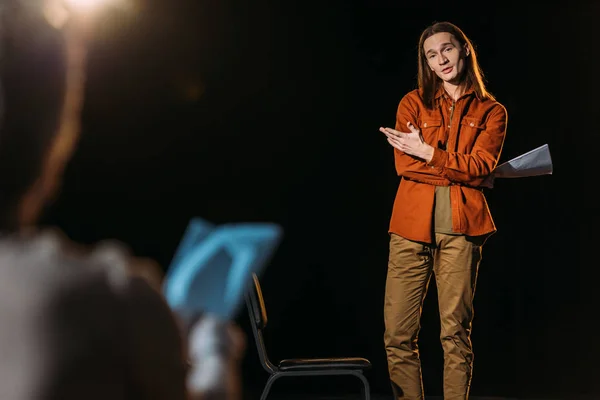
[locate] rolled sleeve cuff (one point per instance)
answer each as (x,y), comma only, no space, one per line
(439,159)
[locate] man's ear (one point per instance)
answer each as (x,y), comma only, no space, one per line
(467,50)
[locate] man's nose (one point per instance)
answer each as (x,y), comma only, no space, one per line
(443,60)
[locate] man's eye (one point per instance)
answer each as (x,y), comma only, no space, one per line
(431,55)
(447,49)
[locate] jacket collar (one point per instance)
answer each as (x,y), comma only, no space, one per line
(441,92)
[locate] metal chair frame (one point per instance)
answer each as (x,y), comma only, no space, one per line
(320,367)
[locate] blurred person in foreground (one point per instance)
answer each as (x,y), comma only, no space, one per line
(80,322)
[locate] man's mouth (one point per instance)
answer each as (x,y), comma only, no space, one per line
(447,70)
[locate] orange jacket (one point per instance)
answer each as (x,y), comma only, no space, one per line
(465,153)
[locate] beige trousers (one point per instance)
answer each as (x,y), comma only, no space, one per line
(454,260)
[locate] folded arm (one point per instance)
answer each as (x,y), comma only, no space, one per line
(473,168)
(407,165)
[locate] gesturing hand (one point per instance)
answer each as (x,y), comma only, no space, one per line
(410,143)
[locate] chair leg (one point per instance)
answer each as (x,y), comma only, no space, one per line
(366,391)
(268,385)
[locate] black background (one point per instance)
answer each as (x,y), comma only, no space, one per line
(269,111)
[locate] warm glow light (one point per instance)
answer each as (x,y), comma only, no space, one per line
(85,4)
(57,12)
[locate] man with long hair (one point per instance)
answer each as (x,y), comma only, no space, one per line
(447,139)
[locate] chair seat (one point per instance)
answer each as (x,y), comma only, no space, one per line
(323,364)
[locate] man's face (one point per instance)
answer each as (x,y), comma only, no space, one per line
(445,56)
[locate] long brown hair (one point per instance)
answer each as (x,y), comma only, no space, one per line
(429,83)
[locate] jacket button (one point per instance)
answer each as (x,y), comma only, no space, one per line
(472,124)
(425,125)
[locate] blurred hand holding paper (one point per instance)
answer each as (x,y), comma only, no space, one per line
(533,163)
(213,264)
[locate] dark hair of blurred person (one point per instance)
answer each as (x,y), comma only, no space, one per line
(42,83)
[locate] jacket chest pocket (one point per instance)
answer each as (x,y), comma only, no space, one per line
(429,129)
(470,129)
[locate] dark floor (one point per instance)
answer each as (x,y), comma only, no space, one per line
(311,396)
(380,397)
(310,393)
(343,388)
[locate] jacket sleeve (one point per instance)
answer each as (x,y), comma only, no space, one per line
(473,168)
(407,165)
